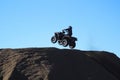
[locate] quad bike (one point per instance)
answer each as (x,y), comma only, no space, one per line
(64,39)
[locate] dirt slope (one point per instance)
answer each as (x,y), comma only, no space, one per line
(58,64)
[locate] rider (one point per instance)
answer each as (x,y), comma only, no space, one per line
(69,31)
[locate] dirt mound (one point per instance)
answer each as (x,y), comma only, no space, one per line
(58,64)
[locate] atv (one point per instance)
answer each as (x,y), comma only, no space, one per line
(64,40)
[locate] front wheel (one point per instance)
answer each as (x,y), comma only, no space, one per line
(72,45)
(65,42)
(53,39)
(60,42)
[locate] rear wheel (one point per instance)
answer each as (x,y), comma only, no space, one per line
(53,39)
(72,45)
(65,42)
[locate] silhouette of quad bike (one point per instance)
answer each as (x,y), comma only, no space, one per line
(64,40)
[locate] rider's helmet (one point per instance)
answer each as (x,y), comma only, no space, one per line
(70,27)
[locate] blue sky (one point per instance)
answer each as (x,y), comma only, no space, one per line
(31,23)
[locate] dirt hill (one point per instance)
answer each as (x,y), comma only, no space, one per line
(58,64)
